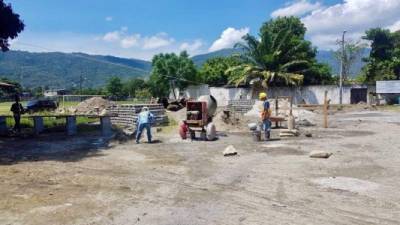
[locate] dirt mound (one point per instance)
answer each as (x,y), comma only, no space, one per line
(93,105)
(232,122)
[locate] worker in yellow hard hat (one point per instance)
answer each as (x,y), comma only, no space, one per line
(265,116)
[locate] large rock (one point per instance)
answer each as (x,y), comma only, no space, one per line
(320,154)
(230,151)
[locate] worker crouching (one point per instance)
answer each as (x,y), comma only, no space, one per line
(144,120)
(265,116)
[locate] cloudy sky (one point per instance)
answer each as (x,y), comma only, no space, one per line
(140,29)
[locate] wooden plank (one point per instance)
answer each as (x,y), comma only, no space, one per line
(326,109)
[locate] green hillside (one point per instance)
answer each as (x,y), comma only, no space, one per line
(62,70)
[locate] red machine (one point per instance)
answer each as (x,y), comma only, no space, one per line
(199,116)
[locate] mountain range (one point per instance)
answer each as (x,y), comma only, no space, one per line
(64,70)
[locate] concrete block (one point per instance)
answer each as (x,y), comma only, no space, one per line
(106,126)
(38,124)
(71,125)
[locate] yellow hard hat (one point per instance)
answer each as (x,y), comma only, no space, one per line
(262,95)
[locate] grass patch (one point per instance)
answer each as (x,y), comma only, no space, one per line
(84,123)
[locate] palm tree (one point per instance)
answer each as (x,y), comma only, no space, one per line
(277,57)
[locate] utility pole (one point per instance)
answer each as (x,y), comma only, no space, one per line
(80,84)
(342,71)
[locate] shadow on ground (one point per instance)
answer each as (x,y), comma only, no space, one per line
(51,147)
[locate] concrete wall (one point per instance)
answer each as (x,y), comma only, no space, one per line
(301,95)
(315,94)
(222,95)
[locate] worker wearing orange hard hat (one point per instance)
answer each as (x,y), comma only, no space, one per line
(265,115)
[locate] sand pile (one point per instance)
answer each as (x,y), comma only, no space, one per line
(93,105)
(232,122)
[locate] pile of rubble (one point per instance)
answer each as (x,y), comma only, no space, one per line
(92,106)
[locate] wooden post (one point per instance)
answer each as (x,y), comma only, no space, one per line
(276,110)
(326,110)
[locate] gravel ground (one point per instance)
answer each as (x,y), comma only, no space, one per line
(86,180)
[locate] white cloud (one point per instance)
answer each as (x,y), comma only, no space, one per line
(109,18)
(354,16)
(112,36)
(297,8)
(229,38)
(192,48)
(394,27)
(130,41)
(157,41)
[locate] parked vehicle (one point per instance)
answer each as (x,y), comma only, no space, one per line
(41,105)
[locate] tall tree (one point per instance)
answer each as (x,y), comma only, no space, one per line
(281,55)
(135,85)
(10,25)
(115,88)
(213,70)
(381,43)
(384,60)
(171,70)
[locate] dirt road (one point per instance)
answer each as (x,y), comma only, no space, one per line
(86,180)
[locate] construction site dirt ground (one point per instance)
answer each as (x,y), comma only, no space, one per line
(86,180)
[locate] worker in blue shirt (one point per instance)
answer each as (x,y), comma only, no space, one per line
(265,116)
(144,120)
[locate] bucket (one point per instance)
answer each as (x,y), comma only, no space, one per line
(256,136)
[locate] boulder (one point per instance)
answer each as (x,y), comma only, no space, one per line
(230,151)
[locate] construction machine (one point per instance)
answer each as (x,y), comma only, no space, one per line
(199,115)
